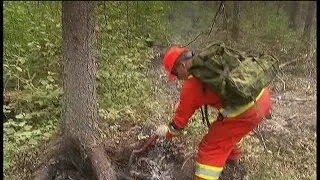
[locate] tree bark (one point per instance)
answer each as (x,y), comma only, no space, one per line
(235,20)
(294,11)
(80,96)
(308,21)
(78,149)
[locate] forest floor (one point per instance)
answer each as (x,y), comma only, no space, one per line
(283,147)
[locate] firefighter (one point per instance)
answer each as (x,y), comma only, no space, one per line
(223,141)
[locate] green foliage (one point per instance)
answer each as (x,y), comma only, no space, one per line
(32,39)
(124,56)
(267,23)
(32,117)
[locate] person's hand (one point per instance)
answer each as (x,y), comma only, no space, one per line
(162,130)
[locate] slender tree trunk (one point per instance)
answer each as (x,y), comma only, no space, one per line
(235,20)
(279,4)
(308,22)
(294,10)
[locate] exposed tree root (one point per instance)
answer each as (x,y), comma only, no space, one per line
(67,159)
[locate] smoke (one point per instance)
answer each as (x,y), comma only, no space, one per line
(188,19)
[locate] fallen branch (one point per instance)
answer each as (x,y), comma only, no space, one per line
(214,19)
(169,43)
(186,161)
(226,19)
(194,39)
(288,62)
(284,83)
(260,137)
(295,99)
(291,117)
(208,33)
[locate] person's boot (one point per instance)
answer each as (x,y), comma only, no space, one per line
(234,157)
(232,162)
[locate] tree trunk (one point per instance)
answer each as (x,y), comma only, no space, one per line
(235,20)
(294,10)
(308,22)
(79,143)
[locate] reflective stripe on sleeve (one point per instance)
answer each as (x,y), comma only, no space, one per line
(207,172)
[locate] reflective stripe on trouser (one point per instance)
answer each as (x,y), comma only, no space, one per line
(207,172)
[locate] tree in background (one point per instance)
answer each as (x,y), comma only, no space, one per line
(294,11)
(235,20)
(308,21)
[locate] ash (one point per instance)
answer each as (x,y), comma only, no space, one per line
(158,163)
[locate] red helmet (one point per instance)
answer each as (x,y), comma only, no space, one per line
(170,57)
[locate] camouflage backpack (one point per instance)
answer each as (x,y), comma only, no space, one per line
(237,78)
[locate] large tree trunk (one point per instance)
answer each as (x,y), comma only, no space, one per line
(235,20)
(309,19)
(79,143)
(294,11)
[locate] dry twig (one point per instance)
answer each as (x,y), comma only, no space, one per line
(293,99)
(288,62)
(257,133)
(215,17)
(291,117)
(213,22)
(284,83)
(186,160)
(226,19)
(194,39)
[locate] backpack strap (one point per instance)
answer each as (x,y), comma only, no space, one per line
(259,109)
(204,111)
(204,114)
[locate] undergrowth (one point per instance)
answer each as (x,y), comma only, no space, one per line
(33,63)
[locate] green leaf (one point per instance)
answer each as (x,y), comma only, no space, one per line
(27,127)
(28,116)
(49,87)
(21,60)
(9,131)
(40,102)
(33,141)
(47,135)
(43,82)
(19,68)
(21,124)
(19,116)
(50,78)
